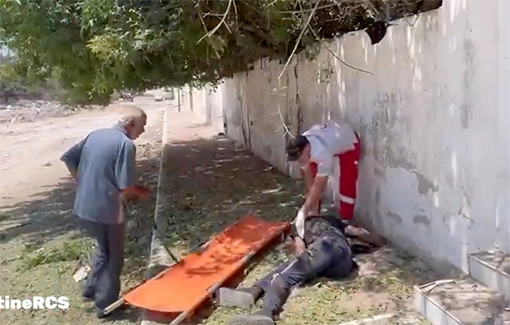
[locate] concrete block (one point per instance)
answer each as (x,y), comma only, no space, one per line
(390,319)
(461,301)
(491,268)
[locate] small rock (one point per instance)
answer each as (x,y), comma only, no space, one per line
(131,225)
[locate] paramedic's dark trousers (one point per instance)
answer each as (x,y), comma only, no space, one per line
(103,282)
(322,259)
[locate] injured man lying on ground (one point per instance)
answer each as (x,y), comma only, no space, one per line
(325,251)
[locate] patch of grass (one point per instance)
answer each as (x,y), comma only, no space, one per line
(4,216)
(388,282)
(68,251)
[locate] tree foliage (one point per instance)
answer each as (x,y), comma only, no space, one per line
(94,47)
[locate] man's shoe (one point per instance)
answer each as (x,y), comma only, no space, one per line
(258,318)
(87,299)
(100,314)
(242,298)
(87,293)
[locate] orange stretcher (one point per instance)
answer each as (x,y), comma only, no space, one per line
(186,285)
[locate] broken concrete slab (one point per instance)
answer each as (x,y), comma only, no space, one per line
(461,301)
(491,268)
(81,272)
(389,319)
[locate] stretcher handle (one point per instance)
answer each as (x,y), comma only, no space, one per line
(114,306)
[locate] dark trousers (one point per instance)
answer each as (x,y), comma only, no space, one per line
(103,281)
(327,257)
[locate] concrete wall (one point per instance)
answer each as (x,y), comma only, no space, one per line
(206,102)
(431,107)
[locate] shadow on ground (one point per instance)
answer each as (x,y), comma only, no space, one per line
(41,243)
(209,184)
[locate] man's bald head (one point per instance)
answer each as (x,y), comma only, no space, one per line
(132,119)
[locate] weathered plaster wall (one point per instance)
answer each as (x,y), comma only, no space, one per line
(432,114)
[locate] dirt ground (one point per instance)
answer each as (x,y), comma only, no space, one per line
(39,242)
(208,182)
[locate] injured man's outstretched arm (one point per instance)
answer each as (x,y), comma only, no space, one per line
(323,252)
(364,235)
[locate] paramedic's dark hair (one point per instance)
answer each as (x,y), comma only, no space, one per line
(296,147)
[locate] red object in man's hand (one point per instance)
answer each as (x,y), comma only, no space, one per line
(142,191)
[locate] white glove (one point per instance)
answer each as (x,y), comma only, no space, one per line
(299,223)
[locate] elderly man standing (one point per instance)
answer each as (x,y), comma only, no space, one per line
(104,167)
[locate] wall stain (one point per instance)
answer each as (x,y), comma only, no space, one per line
(378,196)
(395,217)
(421,219)
(465,115)
(379,172)
(267,150)
(465,210)
(398,159)
(378,222)
(469,54)
(425,185)
(384,137)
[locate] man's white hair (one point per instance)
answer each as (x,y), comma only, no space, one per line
(127,114)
